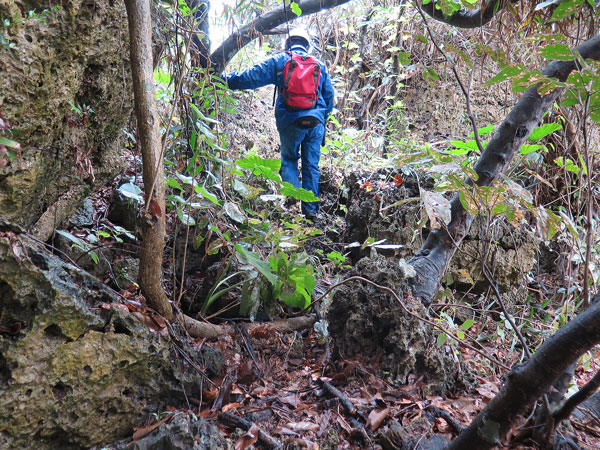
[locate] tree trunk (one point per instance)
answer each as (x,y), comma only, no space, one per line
(265,22)
(148,123)
(527,382)
(431,261)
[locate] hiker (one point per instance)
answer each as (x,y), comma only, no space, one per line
(303,104)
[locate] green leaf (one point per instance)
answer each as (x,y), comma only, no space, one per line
(467,324)
(460,335)
(421,38)
(254,260)
(557,51)
(130,190)
(207,195)
(234,212)
(543,131)
(483,131)
(566,9)
(9,143)
(298,193)
(530,148)
(185,218)
(295,9)
(172,182)
(505,74)
(441,339)
(404,58)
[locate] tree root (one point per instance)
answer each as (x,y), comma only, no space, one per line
(198,329)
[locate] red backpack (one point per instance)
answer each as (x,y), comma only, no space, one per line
(301,76)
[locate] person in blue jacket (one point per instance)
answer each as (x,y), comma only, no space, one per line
(301,132)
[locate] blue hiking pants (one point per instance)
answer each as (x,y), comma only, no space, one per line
(302,143)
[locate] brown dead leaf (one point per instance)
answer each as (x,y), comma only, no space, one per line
(230,406)
(248,439)
(262,331)
(141,432)
(440,425)
(292,400)
(376,417)
(155,209)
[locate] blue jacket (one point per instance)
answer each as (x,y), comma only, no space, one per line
(271,72)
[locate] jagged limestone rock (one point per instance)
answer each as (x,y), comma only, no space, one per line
(367,322)
(184,431)
(73,53)
(73,374)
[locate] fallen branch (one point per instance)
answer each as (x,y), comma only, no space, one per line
(234,421)
(346,403)
(198,329)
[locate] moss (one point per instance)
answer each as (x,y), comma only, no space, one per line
(65,56)
(74,376)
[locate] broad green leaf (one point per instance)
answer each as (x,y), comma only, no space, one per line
(467,324)
(557,51)
(298,193)
(441,339)
(9,143)
(565,9)
(295,9)
(404,58)
(254,259)
(483,131)
(185,218)
(543,131)
(172,182)
(505,74)
(207,195)
(130,190)
(234,212)
(530,148)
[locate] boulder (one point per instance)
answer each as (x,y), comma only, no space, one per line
(74,372)
(66,93)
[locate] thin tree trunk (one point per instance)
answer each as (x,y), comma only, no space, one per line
(148,123)
(433,258)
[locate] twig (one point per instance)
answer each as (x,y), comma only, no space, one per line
(576,399)
(237,422)
(439,412)
(347,404)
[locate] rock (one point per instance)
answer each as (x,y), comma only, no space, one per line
(512,253)
(184,431)
(72,53)
(397,437)
(368,322)
(125,211)
(73,374)
(126,271)
(84,216)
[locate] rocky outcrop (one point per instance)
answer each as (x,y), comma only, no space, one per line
(366,322)
(65,90)
(73,373)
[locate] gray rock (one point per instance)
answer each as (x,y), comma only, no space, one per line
(75,374)
(84,216)
(367,322)
(184,431)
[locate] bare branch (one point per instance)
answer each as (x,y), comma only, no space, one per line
(265,22)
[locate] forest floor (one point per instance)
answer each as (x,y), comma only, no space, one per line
(303,396)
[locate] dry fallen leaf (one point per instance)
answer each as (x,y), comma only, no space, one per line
(247,439)
(376,417)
